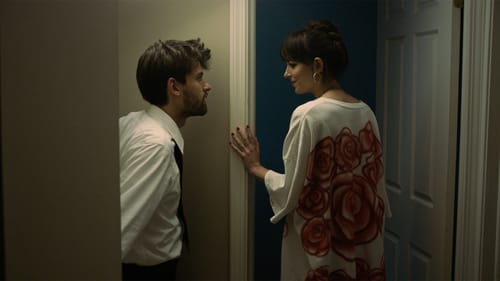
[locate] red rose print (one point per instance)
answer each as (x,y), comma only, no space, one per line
(367,137)
(379,213)
(347,150)
(318,274)
(340,275)
(377,274)
(374,171)
(316,237)
(364,272)
(320,164)
(353,217)
(369,142)
(313,201)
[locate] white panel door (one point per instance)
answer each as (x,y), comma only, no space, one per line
(417,100)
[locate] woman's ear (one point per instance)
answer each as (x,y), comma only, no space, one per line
(318,65)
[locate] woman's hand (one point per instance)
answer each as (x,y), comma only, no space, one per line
(246,145)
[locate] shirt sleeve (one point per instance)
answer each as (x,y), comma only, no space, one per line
(150,172)
(284,189)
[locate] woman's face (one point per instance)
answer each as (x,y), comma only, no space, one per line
(300,75)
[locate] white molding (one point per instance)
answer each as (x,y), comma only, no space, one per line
(476,58)
(241,102)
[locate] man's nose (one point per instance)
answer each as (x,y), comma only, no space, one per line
(208,87)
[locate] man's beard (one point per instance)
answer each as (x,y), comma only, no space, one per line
(194,107)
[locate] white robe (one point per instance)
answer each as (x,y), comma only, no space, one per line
(332,194)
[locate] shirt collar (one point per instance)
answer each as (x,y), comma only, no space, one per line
(167,123)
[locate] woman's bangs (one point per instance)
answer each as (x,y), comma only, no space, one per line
(293,48)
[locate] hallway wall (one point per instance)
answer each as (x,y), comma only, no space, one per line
(59,104)
(67,74)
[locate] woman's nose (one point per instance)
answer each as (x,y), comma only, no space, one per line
(286,74)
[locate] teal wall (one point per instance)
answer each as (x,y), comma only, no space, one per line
(275,98)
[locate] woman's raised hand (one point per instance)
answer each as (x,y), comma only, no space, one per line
(246,145)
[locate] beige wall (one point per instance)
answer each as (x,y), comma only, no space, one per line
(206,156)
(67,73)
(59,108)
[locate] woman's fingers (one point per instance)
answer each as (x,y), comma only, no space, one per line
(245,144)
(242,136)
(251,138)
(243,141)
(249,131)
(236,148)
(238,139)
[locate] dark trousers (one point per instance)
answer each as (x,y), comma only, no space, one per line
(163,271)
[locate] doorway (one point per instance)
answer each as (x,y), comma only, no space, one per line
(274,97)
(478,55)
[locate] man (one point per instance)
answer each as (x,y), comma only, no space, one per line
(170,78)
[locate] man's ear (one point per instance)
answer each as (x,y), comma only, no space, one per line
(318,65)
(173,87)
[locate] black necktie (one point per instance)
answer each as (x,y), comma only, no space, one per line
(180,210)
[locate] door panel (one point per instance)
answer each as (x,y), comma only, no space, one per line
(417,87)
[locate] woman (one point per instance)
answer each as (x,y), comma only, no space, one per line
(332,194)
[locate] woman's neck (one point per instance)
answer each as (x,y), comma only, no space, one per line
(325,87)
(334,91)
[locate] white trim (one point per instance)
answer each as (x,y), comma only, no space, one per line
(477,42)
(241,113)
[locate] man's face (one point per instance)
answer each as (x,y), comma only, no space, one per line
(195,93)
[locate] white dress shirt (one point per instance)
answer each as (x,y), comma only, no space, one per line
(332,193)
(149,187)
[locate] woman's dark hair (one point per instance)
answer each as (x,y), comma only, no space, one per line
(165,59)
(319,38)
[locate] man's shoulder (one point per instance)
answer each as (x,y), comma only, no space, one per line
(139,127)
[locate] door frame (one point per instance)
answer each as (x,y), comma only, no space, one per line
(241,113)
(476,56)
(478,20)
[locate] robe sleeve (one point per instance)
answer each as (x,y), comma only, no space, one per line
(284,189)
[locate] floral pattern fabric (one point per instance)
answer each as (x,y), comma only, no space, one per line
(335,202)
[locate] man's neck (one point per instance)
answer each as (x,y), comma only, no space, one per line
(178,118)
